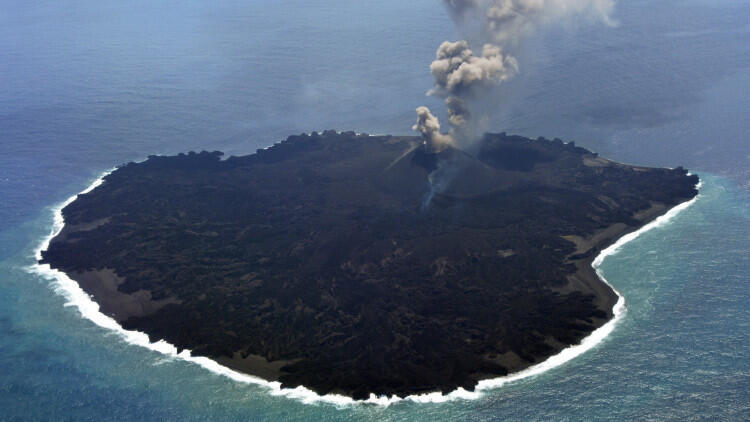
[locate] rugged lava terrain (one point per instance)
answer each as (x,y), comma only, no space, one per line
(357,264)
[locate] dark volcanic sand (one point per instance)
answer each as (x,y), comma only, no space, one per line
(319,261)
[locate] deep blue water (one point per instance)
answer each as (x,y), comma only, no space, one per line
(91,84)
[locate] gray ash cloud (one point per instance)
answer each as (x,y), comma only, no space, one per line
(464,74)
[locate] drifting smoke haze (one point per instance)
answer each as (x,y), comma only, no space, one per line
(506,22)
(497,27)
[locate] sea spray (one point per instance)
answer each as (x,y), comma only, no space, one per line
(76,297)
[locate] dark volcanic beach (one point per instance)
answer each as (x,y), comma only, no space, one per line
(358,264)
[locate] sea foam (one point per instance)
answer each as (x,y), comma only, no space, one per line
(76,297)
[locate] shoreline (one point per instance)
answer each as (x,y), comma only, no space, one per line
(76,296)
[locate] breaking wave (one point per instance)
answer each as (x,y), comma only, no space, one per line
(76,297)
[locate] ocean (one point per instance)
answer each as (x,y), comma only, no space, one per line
(88,85)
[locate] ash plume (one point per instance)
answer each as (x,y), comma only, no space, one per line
(497,26)
(429,126)
(507,21)
(460,75)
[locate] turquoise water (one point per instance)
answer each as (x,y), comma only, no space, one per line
(680,350)
(96,83)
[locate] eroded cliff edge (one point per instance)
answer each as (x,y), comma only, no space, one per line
(356,264)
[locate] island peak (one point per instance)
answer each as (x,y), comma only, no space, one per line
(359,264)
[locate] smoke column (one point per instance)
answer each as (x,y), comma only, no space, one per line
(497,26)
(429,126)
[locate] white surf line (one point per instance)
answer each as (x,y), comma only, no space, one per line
(618,310)
(76,297)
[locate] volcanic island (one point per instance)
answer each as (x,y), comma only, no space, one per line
(356,264)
